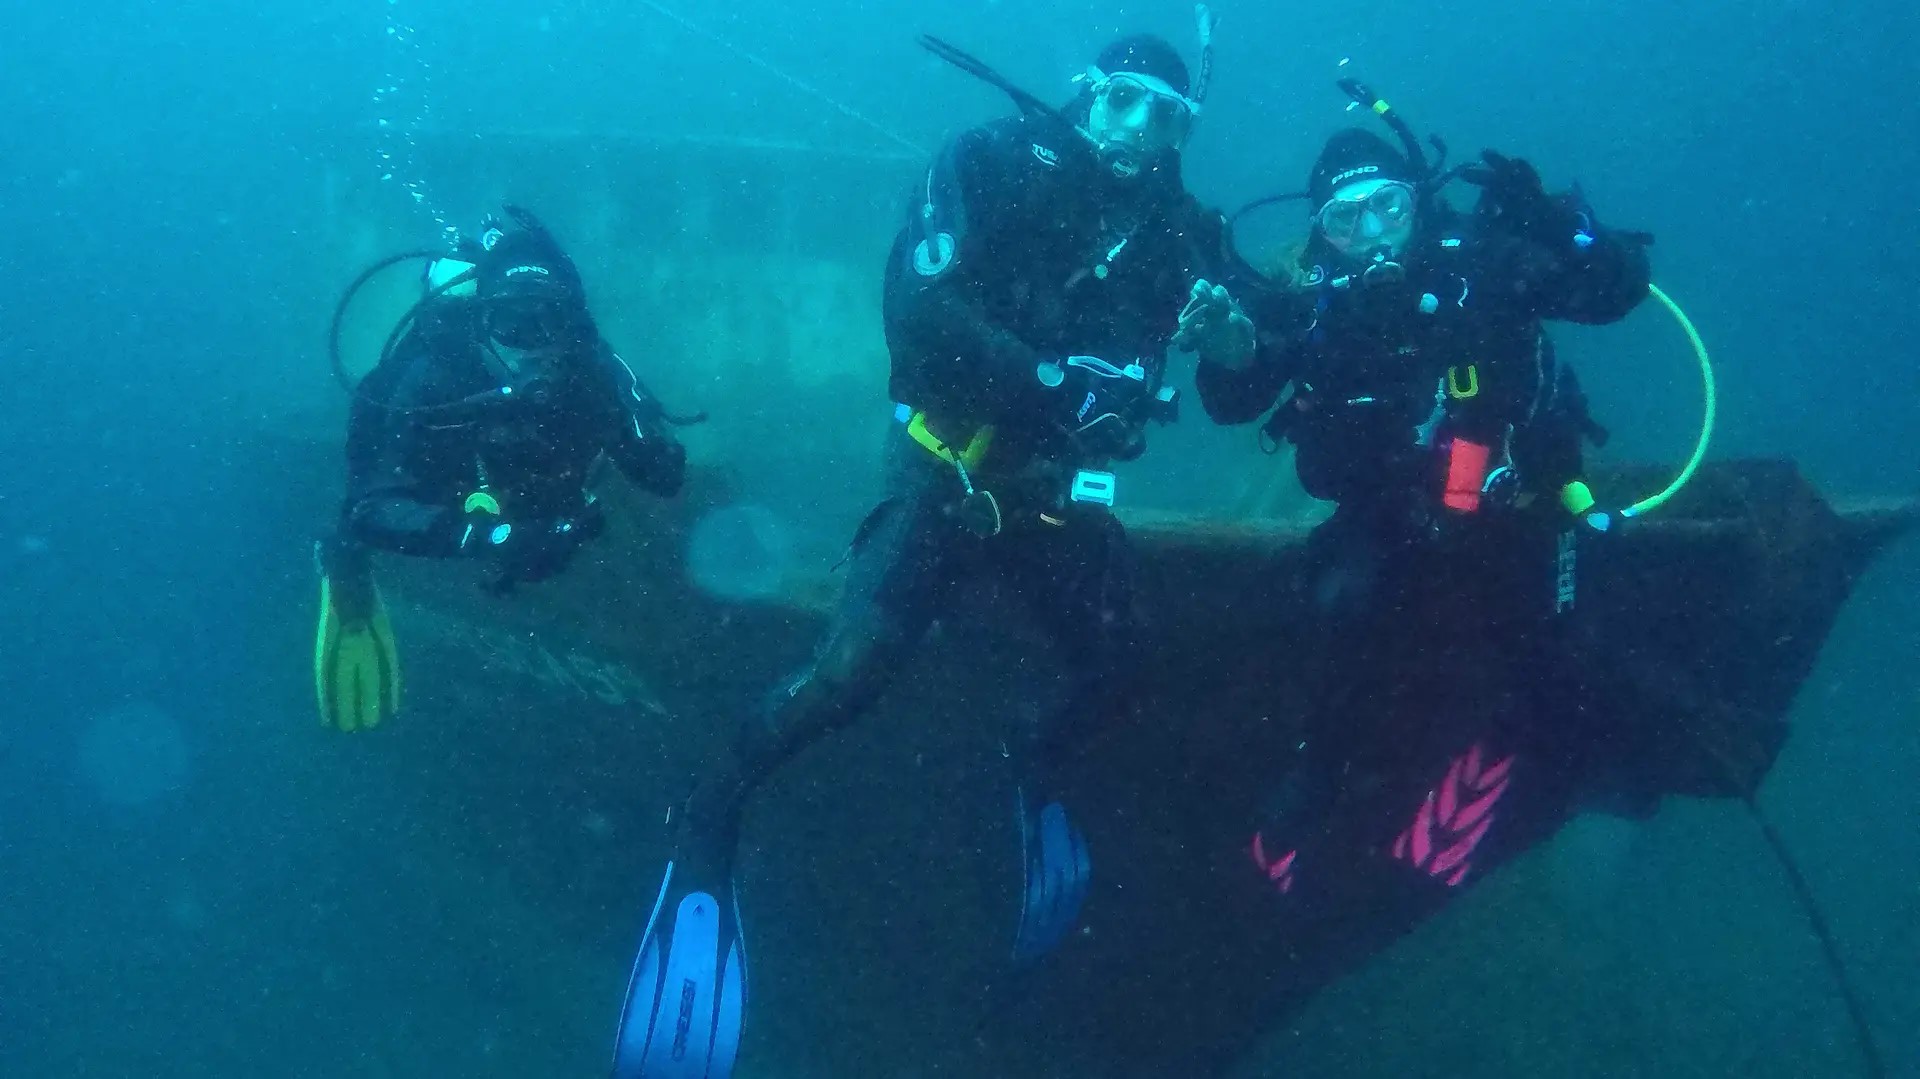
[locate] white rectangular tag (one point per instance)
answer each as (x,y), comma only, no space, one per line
(1095,487)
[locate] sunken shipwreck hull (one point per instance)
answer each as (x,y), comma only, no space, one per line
(879,871)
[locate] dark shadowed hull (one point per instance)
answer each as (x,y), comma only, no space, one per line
(880,869)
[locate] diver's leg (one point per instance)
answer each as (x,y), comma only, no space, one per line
(900,569)
(901,566)
(1354,580)
(1296,887)
(1370,849)
(1311,857)
(1467,757)
(1458,766)
(1080,583)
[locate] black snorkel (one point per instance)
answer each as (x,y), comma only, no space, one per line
(1123,164)
(1030,106)
(1429,176)
(1204,80)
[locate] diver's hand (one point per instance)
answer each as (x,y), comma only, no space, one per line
(1512,185)
(1516,198)
(1098,403)
(1214,327)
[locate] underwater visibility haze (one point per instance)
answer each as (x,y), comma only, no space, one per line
(450,875)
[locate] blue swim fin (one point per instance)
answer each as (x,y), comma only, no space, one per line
(687,999)
(1058,868)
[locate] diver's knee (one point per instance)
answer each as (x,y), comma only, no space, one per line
(845,676)
(854,665)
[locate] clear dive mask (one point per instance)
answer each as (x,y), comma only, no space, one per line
(1136,113)
(1369,218)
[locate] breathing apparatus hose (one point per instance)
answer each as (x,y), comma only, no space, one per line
(340,372)
(484,398)
(1874,1063)
(1709,413)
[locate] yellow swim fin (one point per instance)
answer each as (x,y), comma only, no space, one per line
(356,670)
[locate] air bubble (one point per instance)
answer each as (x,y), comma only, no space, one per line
(404,92)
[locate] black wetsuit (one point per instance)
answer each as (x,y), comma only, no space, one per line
(444,416)
(1021,248)
(1447,728)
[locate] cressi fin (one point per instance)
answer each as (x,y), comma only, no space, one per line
(687,999)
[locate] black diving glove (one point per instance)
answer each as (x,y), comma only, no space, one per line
(1102,406)
(1514,199)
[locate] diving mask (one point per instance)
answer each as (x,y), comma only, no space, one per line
(1372,217)
(1136,112)
(530,324)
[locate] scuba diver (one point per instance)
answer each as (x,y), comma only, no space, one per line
(1447,725)
(474,437)
(1047,262)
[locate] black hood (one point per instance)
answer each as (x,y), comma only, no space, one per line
(1145,54)
(1354,154)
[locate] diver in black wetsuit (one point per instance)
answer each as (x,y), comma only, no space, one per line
(474,438)
(1446,728)
(1047,263)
